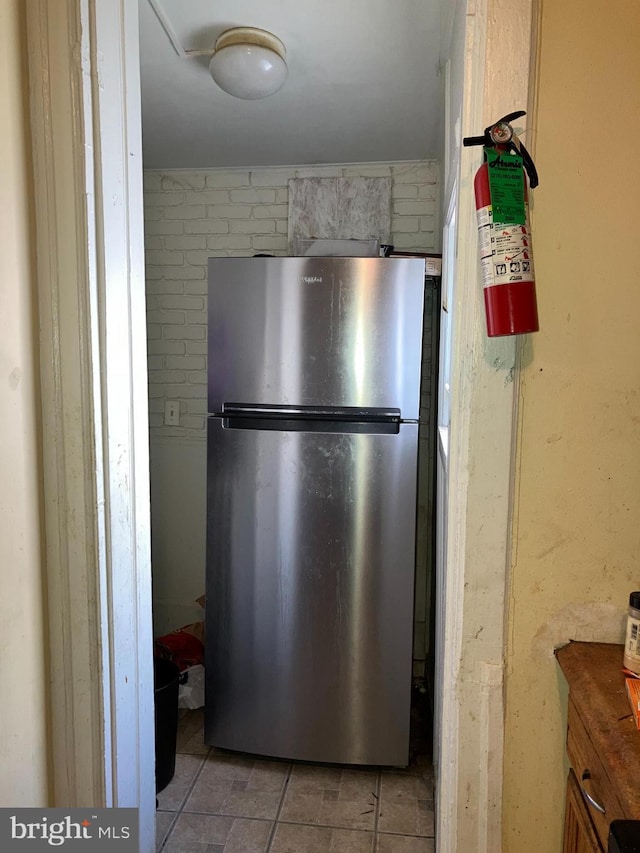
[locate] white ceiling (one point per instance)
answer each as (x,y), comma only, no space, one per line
(363,84)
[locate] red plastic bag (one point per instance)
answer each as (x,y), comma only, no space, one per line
(184,647)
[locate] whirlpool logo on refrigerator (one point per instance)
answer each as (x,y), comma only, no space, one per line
(81,830)
(312,279)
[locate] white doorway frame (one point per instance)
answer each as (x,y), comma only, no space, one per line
(85,105)
(476,453)
(87,155)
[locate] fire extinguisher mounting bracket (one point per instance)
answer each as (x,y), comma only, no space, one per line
(500,133)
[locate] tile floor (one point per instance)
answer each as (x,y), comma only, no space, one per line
(222,802)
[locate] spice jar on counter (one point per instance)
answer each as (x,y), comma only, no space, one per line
(632,641)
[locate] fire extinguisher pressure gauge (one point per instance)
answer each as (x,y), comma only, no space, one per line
(501,133)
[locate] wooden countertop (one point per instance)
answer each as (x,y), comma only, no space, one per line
(596,684)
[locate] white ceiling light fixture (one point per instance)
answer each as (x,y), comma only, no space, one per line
(249,63)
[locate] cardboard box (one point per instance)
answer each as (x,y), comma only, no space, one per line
(633,692)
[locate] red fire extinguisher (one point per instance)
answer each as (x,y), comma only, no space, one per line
(504,234)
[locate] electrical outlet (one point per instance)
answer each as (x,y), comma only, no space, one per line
(172,413)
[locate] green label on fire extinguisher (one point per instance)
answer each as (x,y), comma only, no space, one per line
(506,183)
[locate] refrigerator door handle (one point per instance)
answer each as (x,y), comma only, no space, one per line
(333,413)
(320,425)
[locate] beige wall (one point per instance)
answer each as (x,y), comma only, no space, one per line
(23,744)
(577,513)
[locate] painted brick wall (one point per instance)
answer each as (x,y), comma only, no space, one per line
(191,216)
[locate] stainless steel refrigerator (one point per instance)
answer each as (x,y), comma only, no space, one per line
(312,441)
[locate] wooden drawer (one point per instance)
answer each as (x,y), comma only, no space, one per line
(603,744)
(579,833)
(591,776)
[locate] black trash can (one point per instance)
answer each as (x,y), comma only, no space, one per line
(166,676)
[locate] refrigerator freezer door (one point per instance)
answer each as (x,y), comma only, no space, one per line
(310,593)
(316,331)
